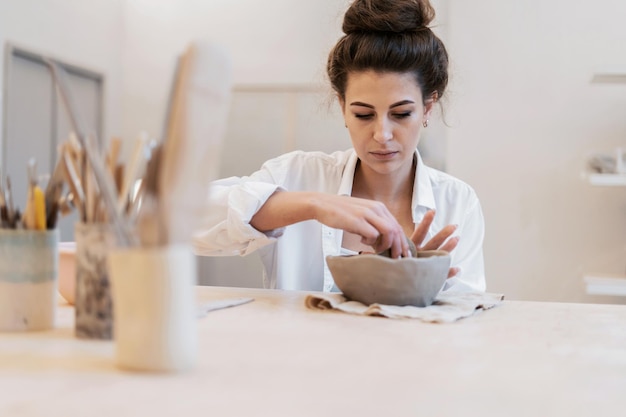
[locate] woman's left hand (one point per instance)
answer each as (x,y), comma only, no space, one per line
(441,241)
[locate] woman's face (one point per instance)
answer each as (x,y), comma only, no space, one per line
(384,113)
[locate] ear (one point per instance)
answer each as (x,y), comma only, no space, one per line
(429,104)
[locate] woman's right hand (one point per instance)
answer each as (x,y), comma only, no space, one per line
(369,219)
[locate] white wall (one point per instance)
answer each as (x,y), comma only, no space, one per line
(84,33)
(273,41)
(524,119)
(522,114)
(282,43)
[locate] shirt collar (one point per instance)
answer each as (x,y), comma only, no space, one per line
(423,197)
(347,178)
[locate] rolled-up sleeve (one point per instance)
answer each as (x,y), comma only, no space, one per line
(225,227)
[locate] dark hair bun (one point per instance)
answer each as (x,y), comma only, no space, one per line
(388,16)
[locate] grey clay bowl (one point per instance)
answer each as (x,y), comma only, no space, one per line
(373,278)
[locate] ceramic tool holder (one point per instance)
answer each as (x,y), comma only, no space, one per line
(28,279)
(93,300)
(155,321)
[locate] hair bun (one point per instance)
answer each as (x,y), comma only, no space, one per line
(388,16)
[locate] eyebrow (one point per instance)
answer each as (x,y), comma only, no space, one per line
(399,103)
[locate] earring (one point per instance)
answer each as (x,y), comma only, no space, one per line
(425,123)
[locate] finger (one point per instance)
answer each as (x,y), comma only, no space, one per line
(375,245)
(400,248)
(439,238)
(420,232)
(393,237)
(385,241)
(450,244)
(453,272)
(390,233)
(369,234)
(406,249)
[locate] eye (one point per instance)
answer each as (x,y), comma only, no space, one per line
(402,115)
(363,116)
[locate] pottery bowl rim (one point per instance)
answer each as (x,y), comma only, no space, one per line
(425,291)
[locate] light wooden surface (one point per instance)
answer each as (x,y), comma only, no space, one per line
(275,357)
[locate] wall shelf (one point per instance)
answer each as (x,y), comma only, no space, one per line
(614,180)
(605,284)
(608,78)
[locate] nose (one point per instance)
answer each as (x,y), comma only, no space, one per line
(382,132)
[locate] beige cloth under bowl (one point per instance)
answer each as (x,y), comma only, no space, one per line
(375,279)
(448,307)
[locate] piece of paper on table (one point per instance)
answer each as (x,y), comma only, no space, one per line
(204,308)
(448,306)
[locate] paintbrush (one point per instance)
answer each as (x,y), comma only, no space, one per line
(121,228)
(12,214)
(35,211)
(73,180)
(54,189)
(4,214)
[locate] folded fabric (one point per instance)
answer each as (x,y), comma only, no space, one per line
(449,306)
(204,309)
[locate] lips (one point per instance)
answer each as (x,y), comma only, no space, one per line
(383,154)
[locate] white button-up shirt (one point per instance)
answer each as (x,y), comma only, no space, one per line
(294,257)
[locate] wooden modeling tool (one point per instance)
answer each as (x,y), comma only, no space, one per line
(134,167)
(150,225)
(194,128)
(74,183)
(115,145)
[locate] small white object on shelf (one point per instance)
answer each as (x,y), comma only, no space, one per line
(605,284)
(607,179)
(608,170)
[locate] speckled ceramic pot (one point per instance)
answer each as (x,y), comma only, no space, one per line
(93,301)
(373,279)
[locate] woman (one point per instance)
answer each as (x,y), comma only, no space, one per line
(388,72)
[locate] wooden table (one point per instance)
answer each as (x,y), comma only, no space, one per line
(275,357)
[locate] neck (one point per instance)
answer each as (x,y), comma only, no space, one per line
(389,188)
